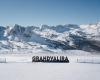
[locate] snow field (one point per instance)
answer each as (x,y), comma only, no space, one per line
(49,71)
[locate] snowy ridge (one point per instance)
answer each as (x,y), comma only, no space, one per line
(50,38)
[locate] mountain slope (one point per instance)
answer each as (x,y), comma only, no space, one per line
(49,38)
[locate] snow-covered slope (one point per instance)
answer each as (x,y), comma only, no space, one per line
(50,38)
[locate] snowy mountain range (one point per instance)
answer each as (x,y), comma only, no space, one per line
(50,38)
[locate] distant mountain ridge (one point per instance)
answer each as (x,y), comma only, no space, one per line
(63,37)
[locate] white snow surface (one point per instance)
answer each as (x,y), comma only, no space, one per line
(40,71)
(20,67)
(49,71)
